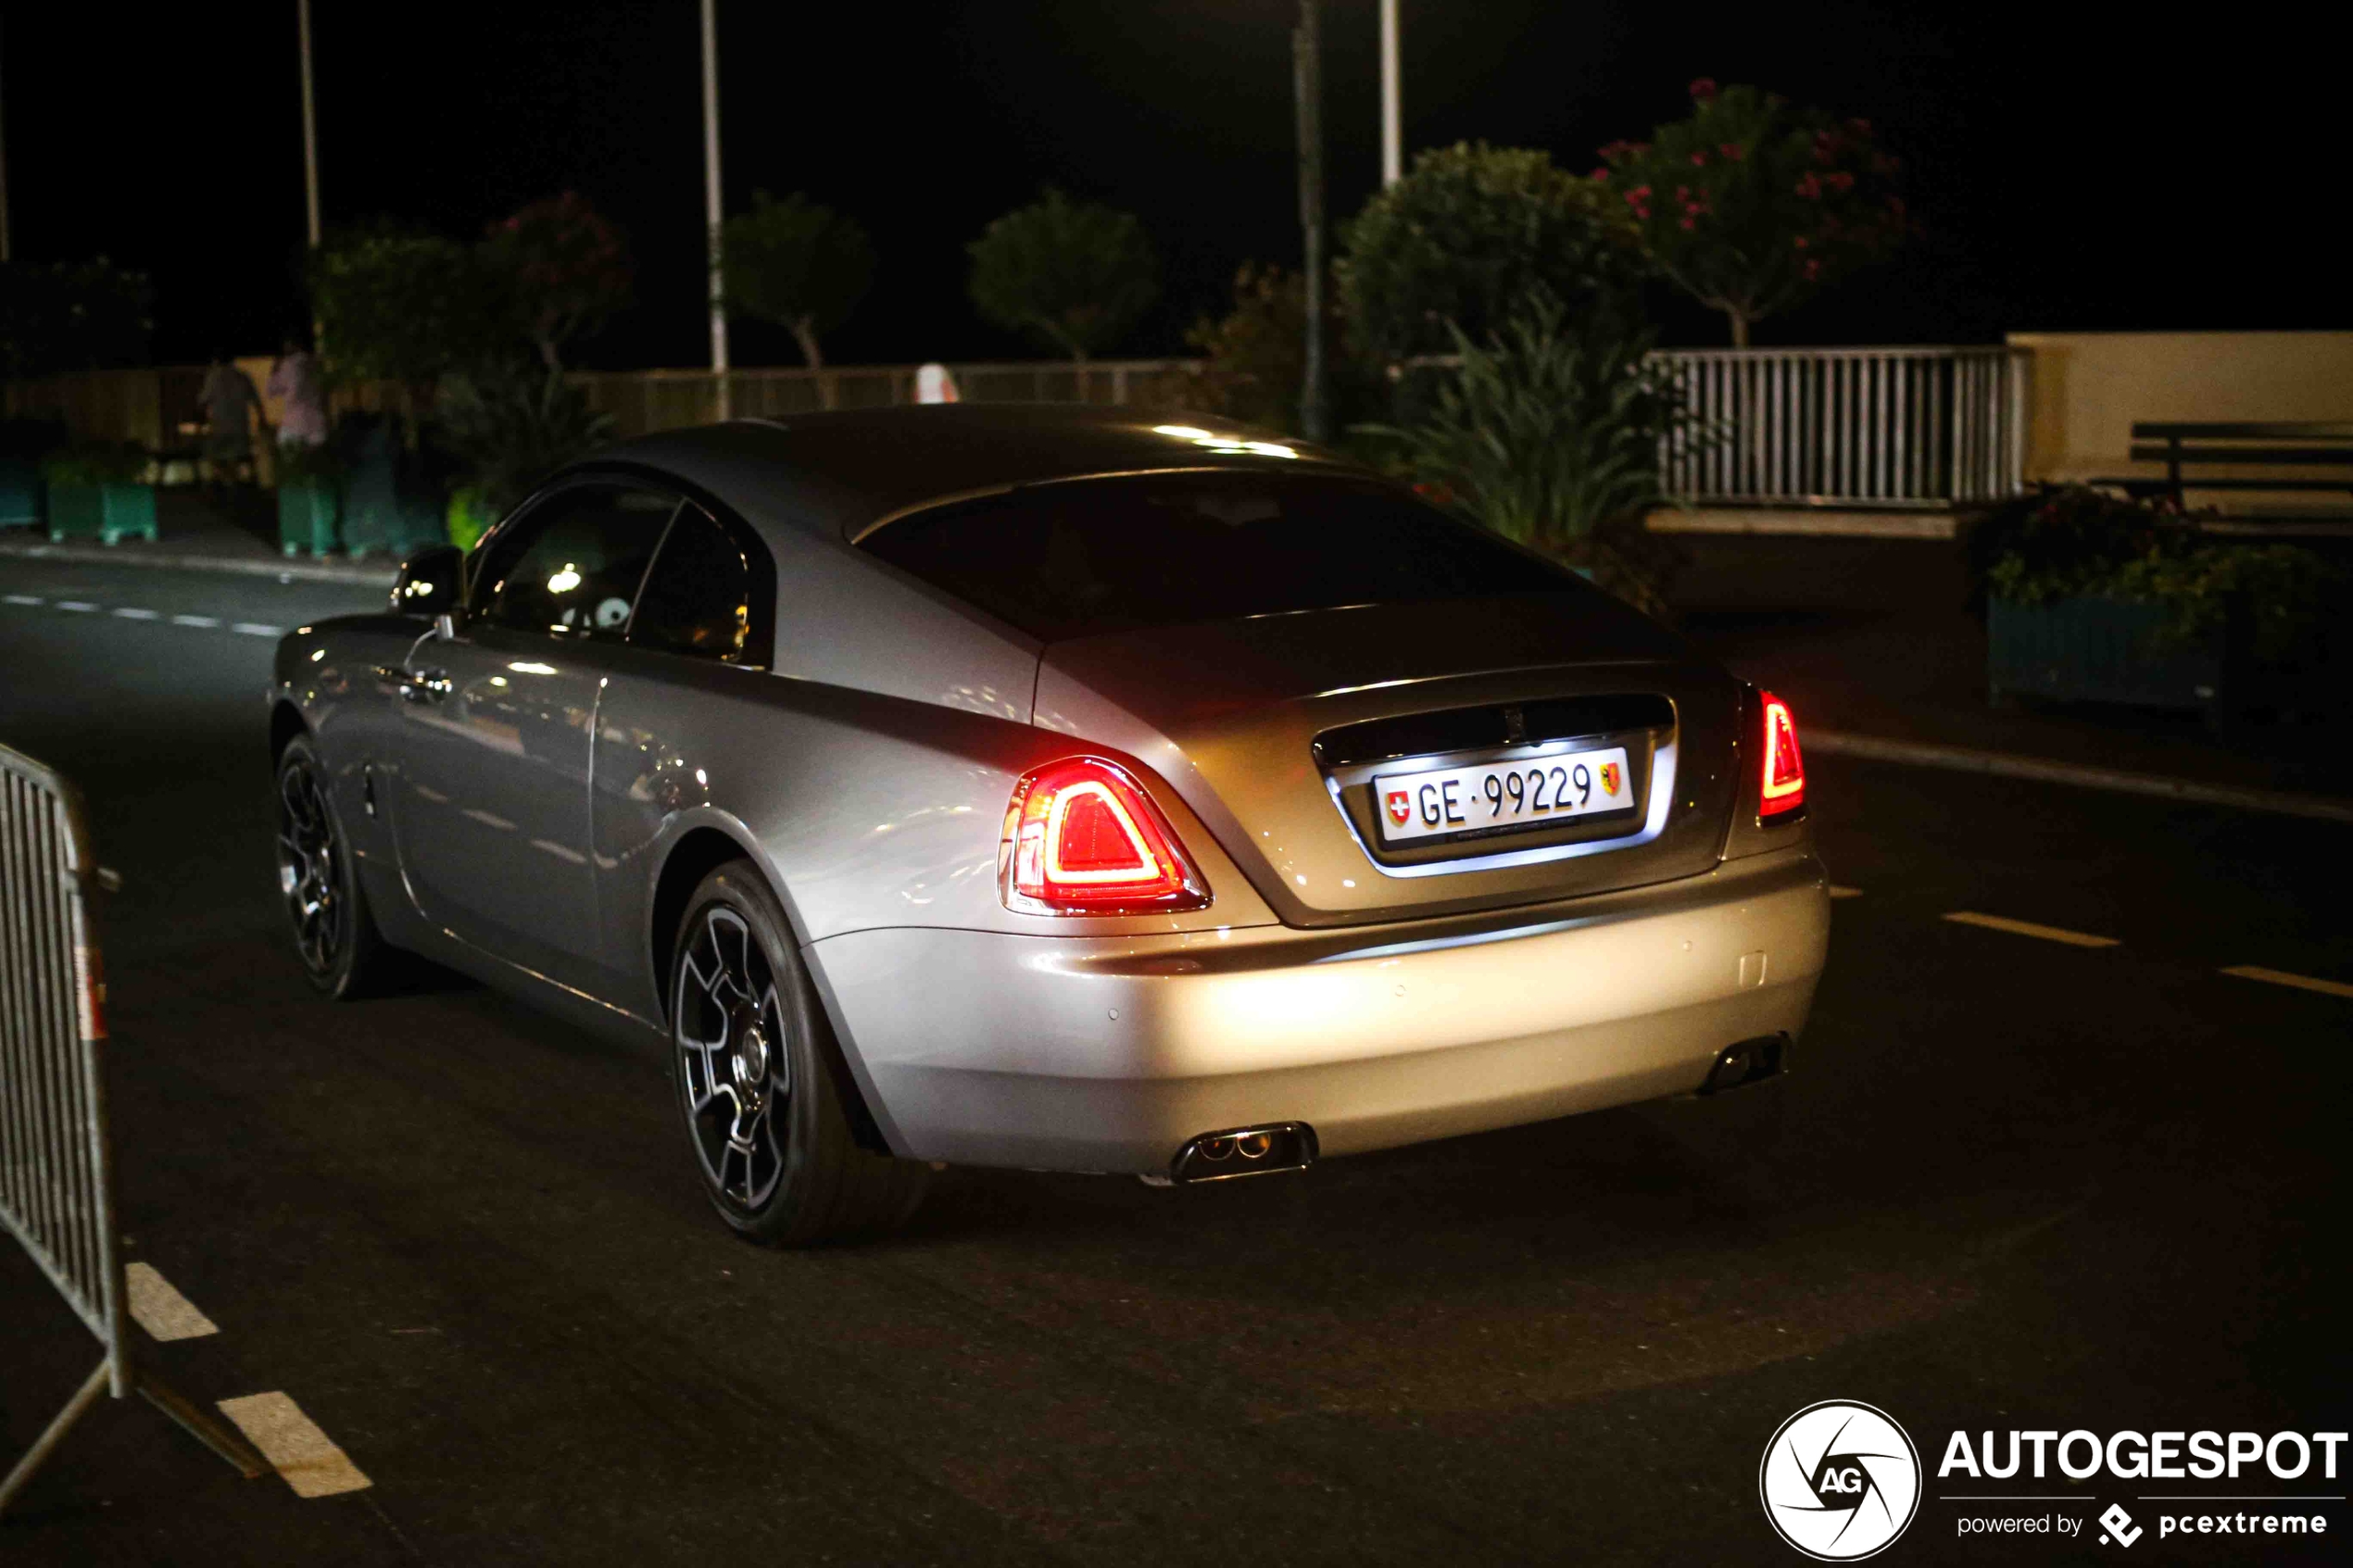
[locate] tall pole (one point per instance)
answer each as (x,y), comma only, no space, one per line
(1393,117)
(6,253)
(1307,82)
(711,213)
(309,124)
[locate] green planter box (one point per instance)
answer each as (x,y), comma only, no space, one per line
(2097,650)
(20,493)
(309,518)
(110,512)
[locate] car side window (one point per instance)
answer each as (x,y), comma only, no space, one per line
(576,562)
(704,593)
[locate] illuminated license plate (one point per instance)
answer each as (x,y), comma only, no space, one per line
(1502,795)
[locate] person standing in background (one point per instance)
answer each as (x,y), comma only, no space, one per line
(229,403)
(298,383)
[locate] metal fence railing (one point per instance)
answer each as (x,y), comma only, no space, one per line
(641,401)
(1878,427)
(56,1174)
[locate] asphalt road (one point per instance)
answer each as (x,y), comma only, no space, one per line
(2013,1183)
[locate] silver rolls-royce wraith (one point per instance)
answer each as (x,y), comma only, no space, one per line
(1049,788)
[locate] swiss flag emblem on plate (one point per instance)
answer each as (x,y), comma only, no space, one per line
(1400,807)
(1610,778)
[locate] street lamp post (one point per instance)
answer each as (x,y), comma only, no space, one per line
(309,124)
(712,211)
(1307,78)
(1393,117)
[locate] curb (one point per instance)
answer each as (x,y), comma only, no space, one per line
(288,571)
(2009,765)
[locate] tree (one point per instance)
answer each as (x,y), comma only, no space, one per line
(1551,438)
(797,264)
(1467,235)
(401,306)
(1254,356)
(1070,275)
(1752,204)
(565,270)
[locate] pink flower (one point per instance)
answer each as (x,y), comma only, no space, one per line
(1639,194)
(1703,89)
(1802,242)
(1601,173)
(1699,158)
(1687,222)
(1813,270)
(1731,150)
(1810,188)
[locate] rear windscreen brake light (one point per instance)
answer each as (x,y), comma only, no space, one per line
(1083,838)
(1782,789)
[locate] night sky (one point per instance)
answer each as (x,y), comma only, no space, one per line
(2072,168)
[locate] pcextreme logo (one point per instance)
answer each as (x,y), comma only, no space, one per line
(1840,1480)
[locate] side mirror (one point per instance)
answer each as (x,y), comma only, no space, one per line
(432,582)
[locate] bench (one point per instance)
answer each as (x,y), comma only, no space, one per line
(2297,445)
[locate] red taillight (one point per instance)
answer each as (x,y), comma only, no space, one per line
(1083,838)
(1782,786)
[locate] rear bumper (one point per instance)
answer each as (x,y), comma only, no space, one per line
(1107,1054)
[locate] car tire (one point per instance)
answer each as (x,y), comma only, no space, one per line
(335,937)
(759,1081)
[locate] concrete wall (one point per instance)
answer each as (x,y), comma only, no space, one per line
(2088,388)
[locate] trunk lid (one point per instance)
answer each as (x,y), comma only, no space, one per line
(1272,729)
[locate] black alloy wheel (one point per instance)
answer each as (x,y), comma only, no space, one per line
(335,936)
(734,1075)
(761,1080)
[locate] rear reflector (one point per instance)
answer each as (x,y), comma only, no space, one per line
(1782,786)
(1083,838)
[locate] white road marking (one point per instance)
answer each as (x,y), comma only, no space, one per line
(161,1310)
(294,1446)
(22,600)
(488,818)
(2282,978)
(1838,891)
(204,621)
(255,629)
(2028,928)
(138,614)
(79,605)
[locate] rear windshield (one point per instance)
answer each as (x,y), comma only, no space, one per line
(1086,557)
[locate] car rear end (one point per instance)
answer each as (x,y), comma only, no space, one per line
(1507,851)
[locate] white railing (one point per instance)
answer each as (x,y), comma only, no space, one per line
(1875,427)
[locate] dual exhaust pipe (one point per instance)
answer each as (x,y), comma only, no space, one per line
(1244,1151)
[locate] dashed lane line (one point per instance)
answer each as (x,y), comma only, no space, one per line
(255,629)
(80,607)
(2028,928)
(291,1441)
(22,600)
(133,613)
(206,621)
(2282,978)
(159,1309)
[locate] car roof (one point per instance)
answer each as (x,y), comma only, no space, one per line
(844,470)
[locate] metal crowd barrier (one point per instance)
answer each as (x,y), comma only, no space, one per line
(57,1167)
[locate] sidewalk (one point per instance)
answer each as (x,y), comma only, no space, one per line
(1869,637)
(192,535)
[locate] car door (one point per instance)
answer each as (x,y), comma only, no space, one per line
(493,820)
(706,614)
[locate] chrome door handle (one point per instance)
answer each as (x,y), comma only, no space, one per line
(427,686)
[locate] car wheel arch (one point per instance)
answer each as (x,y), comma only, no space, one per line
(698,852)
(286,722)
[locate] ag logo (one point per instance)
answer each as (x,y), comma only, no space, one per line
(1610,778)
(1840,1480)
(1400,807)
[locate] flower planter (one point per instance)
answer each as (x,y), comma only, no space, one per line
(385,508)
(109,512)
(2101,650)
(20,493)
(309,517)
